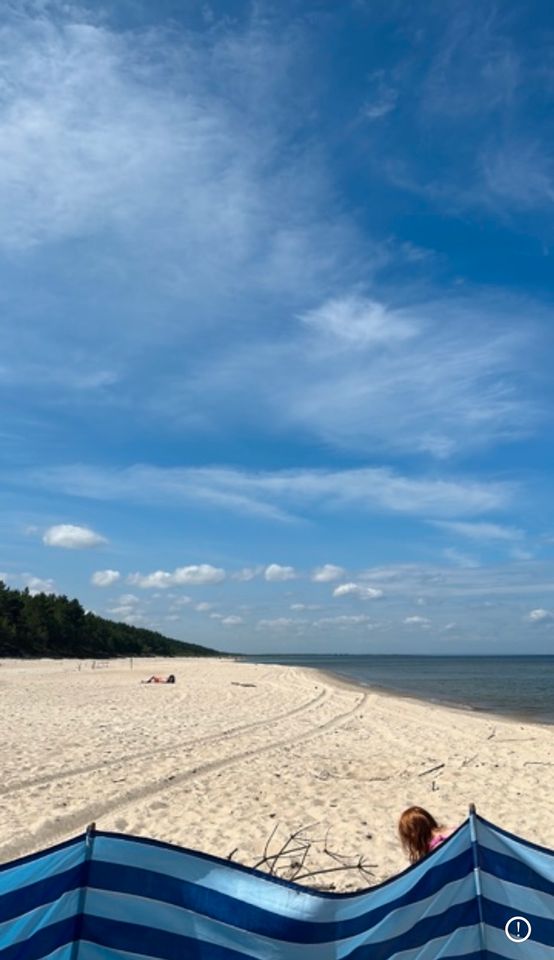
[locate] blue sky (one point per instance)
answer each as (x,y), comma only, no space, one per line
(277,292)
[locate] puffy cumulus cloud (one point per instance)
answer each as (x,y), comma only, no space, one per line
(72,537)
(540,616)
(195,575)
(36,585)
(204,607)
(127,609)
(231,621)
(275,572)
(327,573)
(360,591)
(105,578)
(416,621)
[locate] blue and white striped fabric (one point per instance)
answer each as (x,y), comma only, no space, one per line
(114,897)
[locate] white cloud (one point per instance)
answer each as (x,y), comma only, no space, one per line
(129,598)
(37,585)
(417,621)
(105,578)
(359,322)
(304,606)
(195,575)
(231,621)
(540,616)
(327,573)
(436,376)
(123,610)
(275,572)
(279,495)
(204,607)
(356,590)
(72,537)
(480,531)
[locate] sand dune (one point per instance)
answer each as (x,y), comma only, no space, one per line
(234,751)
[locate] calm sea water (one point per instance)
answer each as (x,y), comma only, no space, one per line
(513,686)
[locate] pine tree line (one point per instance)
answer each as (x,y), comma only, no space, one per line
(47,625)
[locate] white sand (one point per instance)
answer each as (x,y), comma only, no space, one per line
(214,765)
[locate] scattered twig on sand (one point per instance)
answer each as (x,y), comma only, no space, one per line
(237,683)
(493,734)
(431,770)
(291,859)
(465,763)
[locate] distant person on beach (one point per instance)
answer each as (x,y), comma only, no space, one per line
(420,833)
(156,679)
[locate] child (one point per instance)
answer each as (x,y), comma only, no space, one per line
(420,833)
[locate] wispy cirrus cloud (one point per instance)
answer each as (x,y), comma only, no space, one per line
(279,495)
(481,531)
(438,375)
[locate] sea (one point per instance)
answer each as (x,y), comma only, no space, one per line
(517,687)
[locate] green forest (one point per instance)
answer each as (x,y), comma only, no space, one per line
(46,625)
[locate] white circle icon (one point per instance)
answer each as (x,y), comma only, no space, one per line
(518,929)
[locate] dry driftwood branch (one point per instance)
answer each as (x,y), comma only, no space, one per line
(291,860)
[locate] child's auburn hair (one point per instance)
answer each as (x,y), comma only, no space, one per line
(415,828)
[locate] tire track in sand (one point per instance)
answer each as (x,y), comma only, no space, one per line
(179,745)
(54,831)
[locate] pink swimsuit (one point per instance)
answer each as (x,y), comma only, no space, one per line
(438,839)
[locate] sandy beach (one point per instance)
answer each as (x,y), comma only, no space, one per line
(234,750)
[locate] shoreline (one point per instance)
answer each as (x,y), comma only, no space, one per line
(412,698)
(235,750)
(459,705)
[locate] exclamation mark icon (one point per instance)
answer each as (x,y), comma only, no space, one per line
(518,929)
